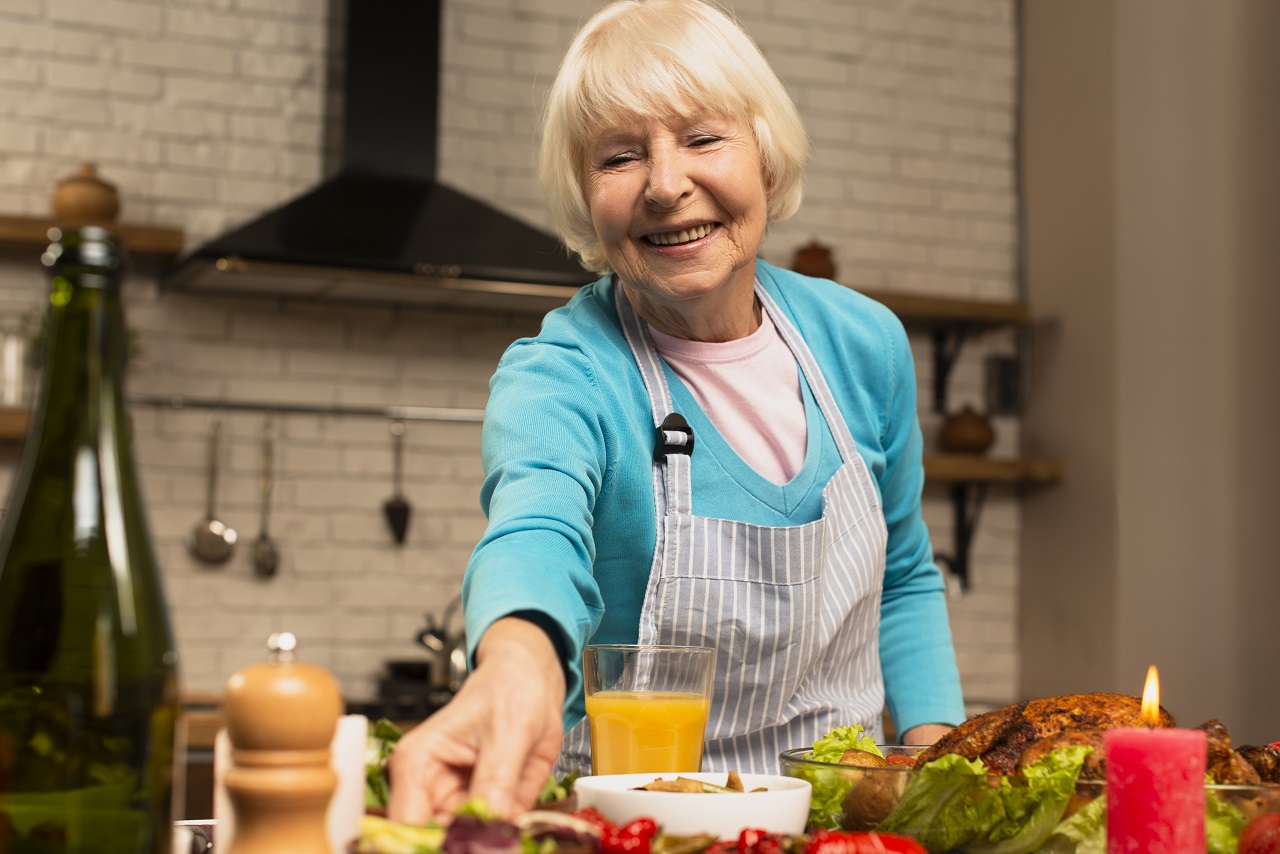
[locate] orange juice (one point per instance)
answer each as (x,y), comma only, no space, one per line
(646,731)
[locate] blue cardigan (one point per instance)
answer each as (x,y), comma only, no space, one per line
(567,450)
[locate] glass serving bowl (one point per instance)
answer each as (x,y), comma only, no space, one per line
(958,810)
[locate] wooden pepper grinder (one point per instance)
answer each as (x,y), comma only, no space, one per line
(84,198)
(281,717)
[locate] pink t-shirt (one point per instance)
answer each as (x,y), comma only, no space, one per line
(750,389)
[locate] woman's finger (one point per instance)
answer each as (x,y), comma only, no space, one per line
(431,769)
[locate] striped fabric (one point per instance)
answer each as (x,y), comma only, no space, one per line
(793,612)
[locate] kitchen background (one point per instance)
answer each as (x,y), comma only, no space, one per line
(207,112)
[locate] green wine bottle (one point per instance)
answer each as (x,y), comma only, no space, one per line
(88,672)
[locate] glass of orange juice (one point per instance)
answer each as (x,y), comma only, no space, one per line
(647,706)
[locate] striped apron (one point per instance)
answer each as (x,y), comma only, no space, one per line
(793,612)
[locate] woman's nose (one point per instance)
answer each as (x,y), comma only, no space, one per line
(668,179)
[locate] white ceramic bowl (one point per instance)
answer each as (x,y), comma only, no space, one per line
(782,808)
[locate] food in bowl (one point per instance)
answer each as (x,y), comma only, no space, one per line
(781,804)
(848,795)
(732,783)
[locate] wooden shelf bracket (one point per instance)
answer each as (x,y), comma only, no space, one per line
(950,322)
(947,343)
(966,502)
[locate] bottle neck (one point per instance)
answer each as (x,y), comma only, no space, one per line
(85,352)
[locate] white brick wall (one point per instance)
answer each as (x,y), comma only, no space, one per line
(205,112)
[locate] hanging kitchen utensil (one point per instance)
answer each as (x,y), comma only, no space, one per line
(397,509)
(211,541)
(448,649)
(266,557)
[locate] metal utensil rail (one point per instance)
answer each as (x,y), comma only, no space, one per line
(394,413)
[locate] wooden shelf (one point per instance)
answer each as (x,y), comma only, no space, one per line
(14,424)
(950,468)
(941,311)
(202,717)
(143,241)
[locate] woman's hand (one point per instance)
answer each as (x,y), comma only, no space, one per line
(495,740)
(925,733)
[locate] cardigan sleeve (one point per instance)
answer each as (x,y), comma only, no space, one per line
(544,456)
(922,680)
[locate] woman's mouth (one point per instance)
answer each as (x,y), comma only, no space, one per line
(685,235)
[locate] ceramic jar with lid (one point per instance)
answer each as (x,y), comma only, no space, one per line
(966,432)
(814,259)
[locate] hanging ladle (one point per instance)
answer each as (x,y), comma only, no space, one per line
(211,541)
(266,557)
(396,509)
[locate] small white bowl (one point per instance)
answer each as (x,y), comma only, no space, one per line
(782,808)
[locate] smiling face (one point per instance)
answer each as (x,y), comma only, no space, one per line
(680,208)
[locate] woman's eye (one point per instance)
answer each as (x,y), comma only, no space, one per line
(618,159)
(705,139)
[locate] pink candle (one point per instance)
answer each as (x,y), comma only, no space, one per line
(1155,790)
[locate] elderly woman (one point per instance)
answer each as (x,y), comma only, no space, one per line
(786,532)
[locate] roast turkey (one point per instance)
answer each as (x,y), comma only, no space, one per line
(1000,738)
(1009,739)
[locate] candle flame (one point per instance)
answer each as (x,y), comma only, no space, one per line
(1151,698)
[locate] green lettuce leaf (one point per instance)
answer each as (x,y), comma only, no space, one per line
(955,803)
(826,802)
(1086,831)
(476,808)
(832,746)
(1223,823)
(1034,804)
(1083,833)
(947,804)
(557,790)
(382,739)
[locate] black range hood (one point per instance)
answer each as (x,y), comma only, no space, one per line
(383,229)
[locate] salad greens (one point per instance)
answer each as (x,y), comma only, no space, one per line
(1223,823)
(377,834)
(475,829)
(826,802)
(957,804)
(558,790)
(1083,833)
(832,746)
(1086,831)
(946,804)
(383,736)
